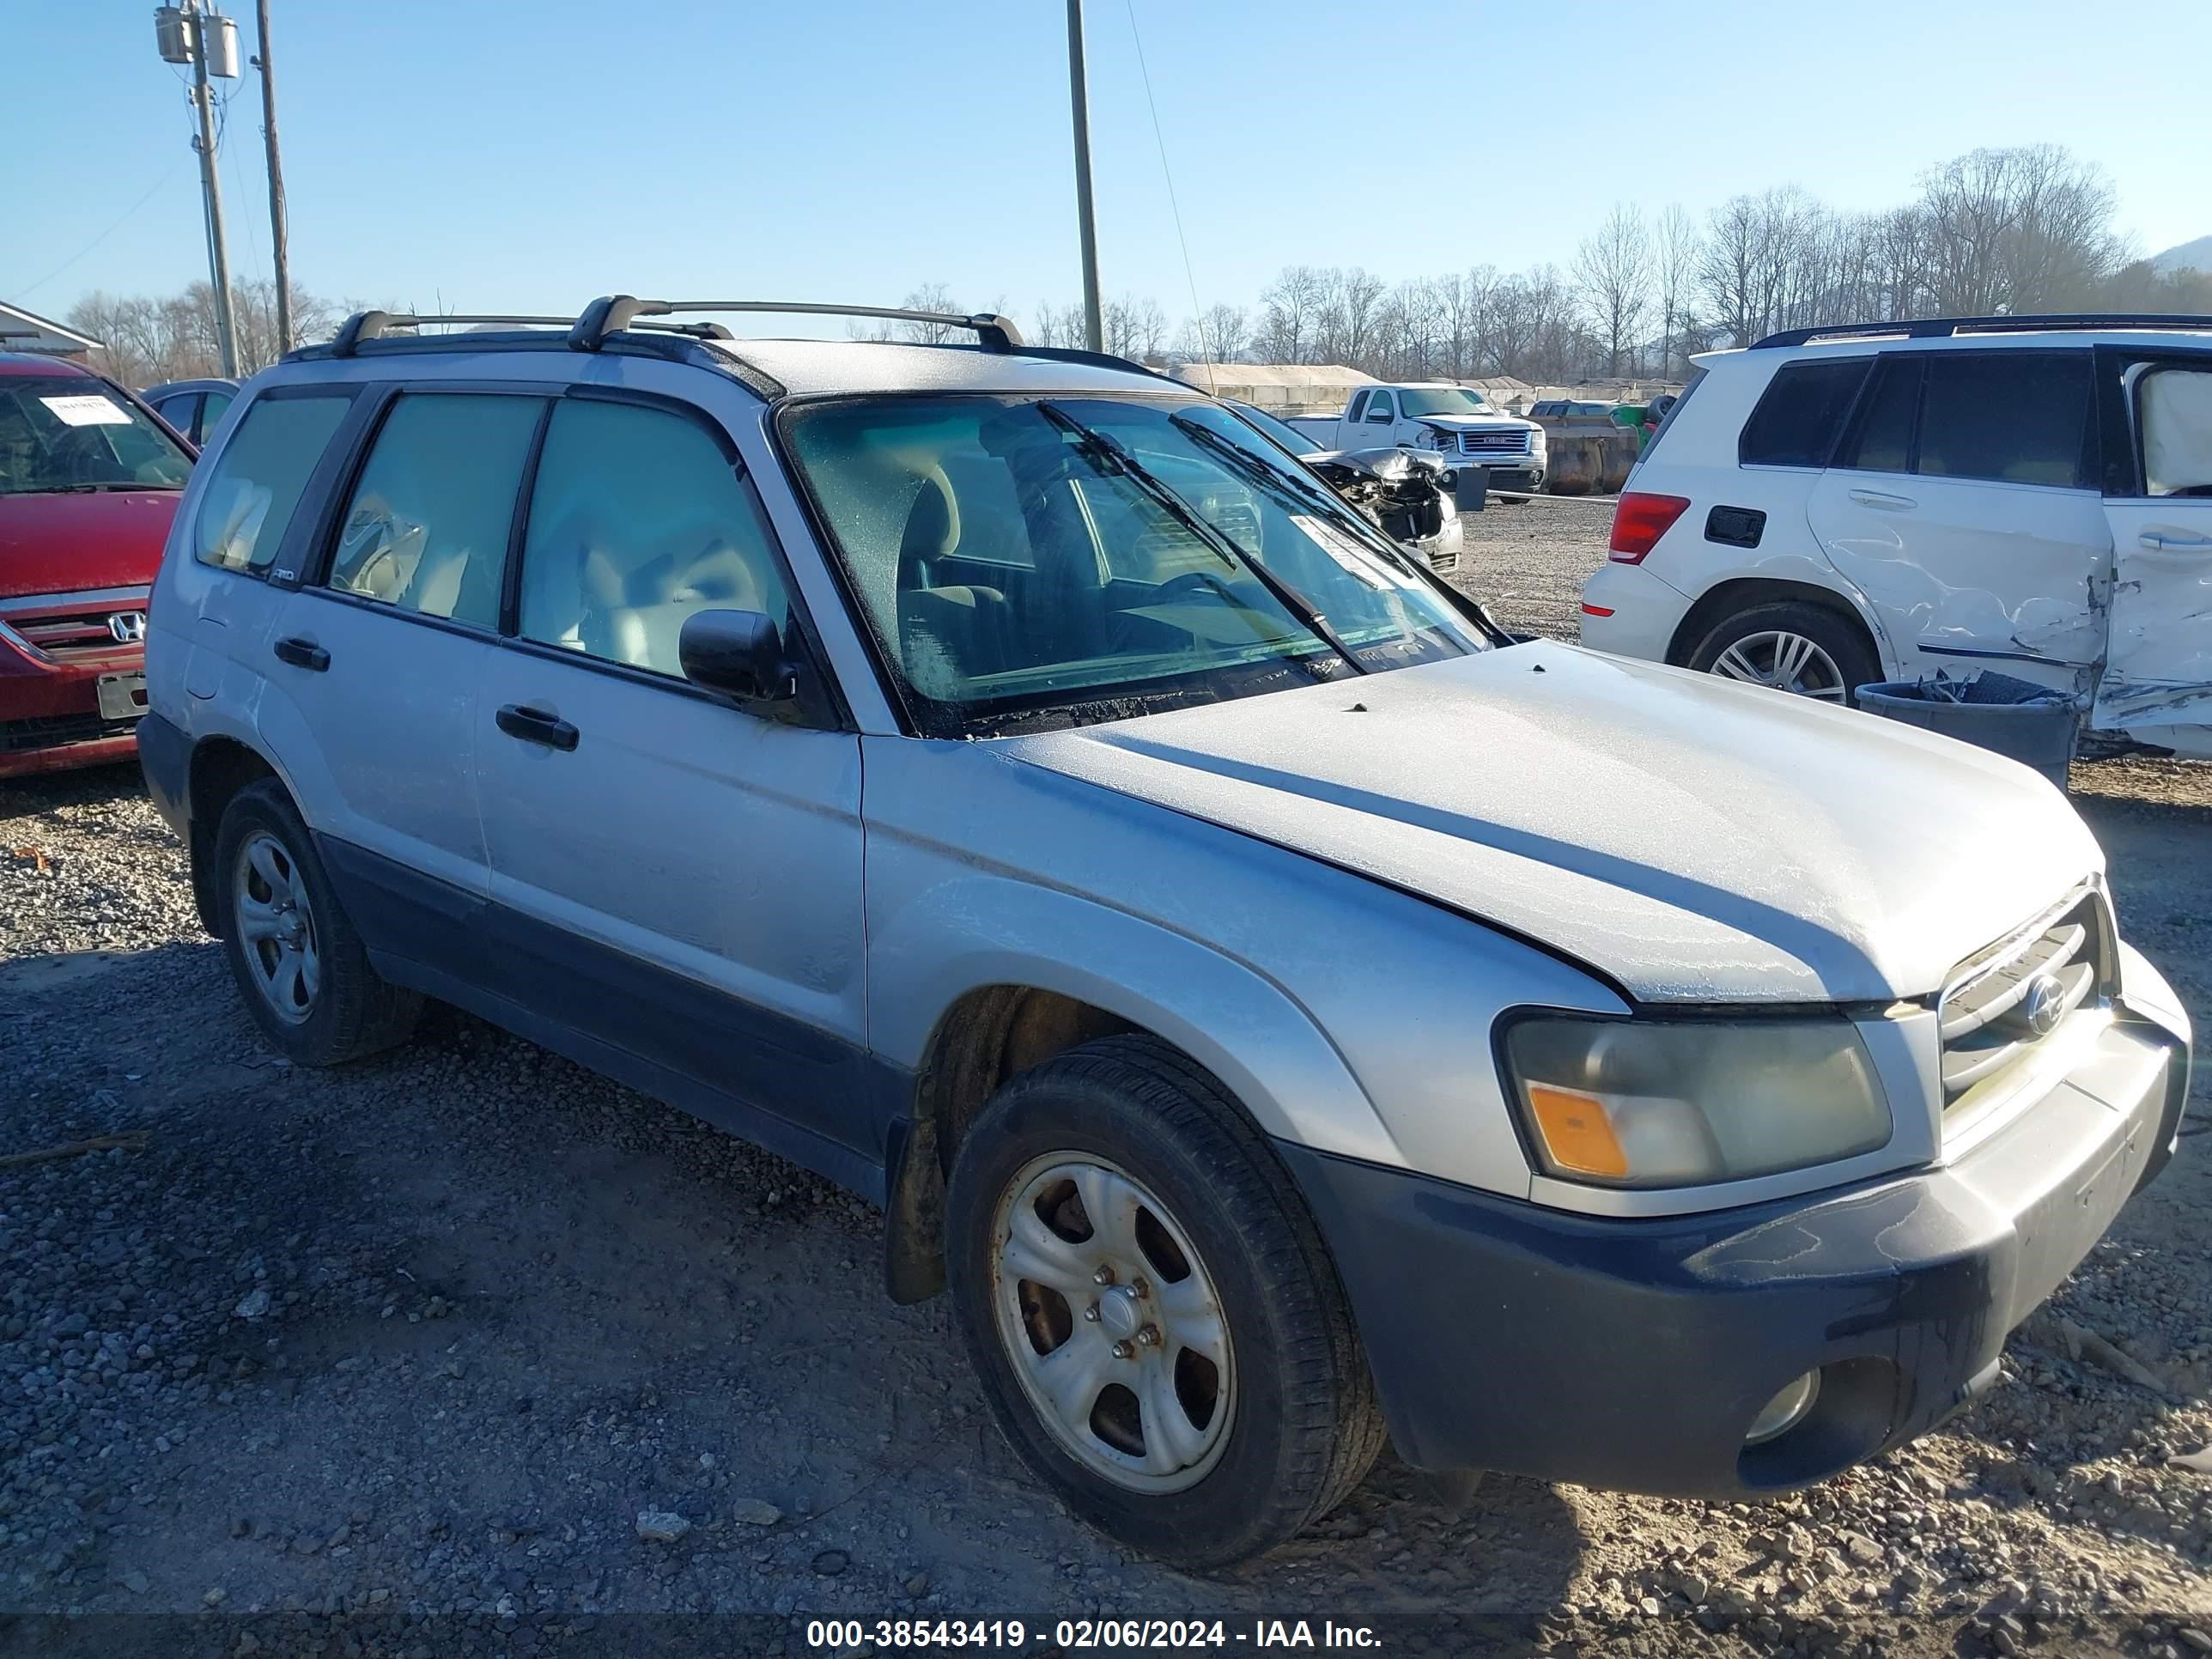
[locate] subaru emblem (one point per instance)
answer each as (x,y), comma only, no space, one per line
(2044,1005)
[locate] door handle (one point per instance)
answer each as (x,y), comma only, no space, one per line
(536,726)
(1875,498)
(303,653)
(2159,541)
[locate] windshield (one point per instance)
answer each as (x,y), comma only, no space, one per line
(1029,564)
(1443,400)
(70,432)
(1281,431)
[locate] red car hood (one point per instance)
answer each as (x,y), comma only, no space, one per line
(64,543)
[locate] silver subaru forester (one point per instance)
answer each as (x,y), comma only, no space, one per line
(1286,1010)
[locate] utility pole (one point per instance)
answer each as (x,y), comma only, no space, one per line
(1094,327)
(276,184)
(191,32)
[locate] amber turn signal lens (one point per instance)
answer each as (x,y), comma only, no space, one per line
(1577,1133)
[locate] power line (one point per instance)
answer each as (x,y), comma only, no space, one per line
(160,184)
(1197,314)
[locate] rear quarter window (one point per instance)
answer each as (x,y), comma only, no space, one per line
(1797,418)
(258,479)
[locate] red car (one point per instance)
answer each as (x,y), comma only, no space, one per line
(89,480)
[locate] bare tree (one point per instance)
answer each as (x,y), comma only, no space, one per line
(150,340)
(1216,335)
(1612,273)
(2016,230)
(1675,246)
(1135,329)
(1292,305)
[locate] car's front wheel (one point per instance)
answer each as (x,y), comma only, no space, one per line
(1150,1309)
(300,965)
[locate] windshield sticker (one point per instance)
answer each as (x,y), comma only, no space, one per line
(88,409)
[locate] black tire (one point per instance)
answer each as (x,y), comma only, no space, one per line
(354,1012)
(1841,637)
(1306,1426)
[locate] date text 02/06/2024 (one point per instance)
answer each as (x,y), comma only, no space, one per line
(1070,1635)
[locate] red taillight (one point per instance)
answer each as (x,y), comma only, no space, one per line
(1590,609)
(1639,521)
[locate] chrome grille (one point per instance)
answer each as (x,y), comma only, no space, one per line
(66,625)
(73,636)
(2003,1002)
(1513,441)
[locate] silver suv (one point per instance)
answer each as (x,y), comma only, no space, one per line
(1284,1010)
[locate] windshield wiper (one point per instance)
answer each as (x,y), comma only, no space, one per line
(52,490)
(1104,447)
(1307,486)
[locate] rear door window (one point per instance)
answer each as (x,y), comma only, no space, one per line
(639,521)
(1801,412)
(427,528)
(2007,417)
(259,478)
(1881,439)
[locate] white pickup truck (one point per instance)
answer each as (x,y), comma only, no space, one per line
(1451,420)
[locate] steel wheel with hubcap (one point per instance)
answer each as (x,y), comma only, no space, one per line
(1113,1324)
(277,925)
(1156,1325)
(299,962)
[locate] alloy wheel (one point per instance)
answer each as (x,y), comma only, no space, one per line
(1785,661)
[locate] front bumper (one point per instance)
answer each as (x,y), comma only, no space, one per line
(1509,472)
(50,712)
(1634,1355)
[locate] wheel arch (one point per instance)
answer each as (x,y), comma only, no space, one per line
(1735,594)
(1006,1016)
(219,768)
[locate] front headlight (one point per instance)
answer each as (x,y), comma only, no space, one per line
(1685,1103)
(1537,441)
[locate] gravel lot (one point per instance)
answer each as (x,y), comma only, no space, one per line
(396,1356)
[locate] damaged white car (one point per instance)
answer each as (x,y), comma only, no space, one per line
(1838,506)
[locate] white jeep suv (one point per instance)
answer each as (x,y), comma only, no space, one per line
(1838,506)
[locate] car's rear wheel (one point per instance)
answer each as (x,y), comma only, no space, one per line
(1806,650)
(1150,1309)
(300,964)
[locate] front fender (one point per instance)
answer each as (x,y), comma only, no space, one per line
(964,930)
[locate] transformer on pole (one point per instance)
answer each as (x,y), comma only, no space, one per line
(192,32)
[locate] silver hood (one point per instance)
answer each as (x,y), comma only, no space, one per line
(1691,839)
(1476,422)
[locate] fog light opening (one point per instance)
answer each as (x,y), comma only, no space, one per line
(1785,1411)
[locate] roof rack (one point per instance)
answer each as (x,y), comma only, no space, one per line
(372,325)
(616,312)
(1937,328)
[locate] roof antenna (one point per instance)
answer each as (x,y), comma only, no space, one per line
(1197,315)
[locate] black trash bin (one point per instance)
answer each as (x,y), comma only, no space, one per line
(1470,488)
(2015,718)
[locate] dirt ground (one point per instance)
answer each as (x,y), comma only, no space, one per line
(393,1357)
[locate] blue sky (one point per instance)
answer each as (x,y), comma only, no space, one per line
(478,155)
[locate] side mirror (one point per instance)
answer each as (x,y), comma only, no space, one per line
(738,655)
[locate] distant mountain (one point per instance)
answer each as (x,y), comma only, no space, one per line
(2197,255)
